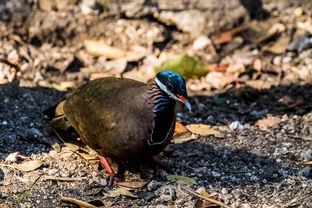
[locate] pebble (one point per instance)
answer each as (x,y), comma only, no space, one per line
(4,123)
(281,151)
(307,155)
(153,185)
(12,157)
(237,193)
(236,125)
(245,206)
(224,191)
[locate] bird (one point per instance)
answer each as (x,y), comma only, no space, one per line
(124,119)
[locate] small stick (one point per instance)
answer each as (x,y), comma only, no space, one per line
(29,189)
(53,178)
(205,198)
(77,202)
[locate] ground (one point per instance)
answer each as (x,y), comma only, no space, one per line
(252,165)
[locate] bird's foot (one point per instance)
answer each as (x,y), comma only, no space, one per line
(119,177)
(166,165)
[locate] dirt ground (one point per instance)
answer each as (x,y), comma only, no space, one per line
(43,52)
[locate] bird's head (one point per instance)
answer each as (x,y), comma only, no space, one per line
(173,85)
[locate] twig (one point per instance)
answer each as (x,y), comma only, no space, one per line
(205,198)
(21,200)
(53,178)
(77,202)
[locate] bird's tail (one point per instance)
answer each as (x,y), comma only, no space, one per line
(54,112)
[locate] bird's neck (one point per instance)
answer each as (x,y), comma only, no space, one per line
(163,110)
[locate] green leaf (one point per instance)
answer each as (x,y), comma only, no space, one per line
(181,179)
(187,66)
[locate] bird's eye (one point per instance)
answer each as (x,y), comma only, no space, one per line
(170,87)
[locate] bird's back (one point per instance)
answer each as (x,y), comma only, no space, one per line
(112,116)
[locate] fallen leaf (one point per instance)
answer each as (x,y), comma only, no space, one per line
(181,179)
(70,146)
(93,191)
(28,166)
(268,122)
(77,202)
(100,48)
(133,184)
(227,36)
(260,84)
(183,137)
(180,128)
(60,86)
(278,46)
(308,163)
(204,130)
(187,66)
(120,192)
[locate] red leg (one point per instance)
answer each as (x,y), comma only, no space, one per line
(109,169)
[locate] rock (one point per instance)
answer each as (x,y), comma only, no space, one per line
(191,21)
(280,151)
(47,5)
(307,155)
(224,191)
(237,193)
(201,42)
(236,125)
(245,205)
(153,185)
(12,157)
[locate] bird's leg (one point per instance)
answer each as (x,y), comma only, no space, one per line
(113,176)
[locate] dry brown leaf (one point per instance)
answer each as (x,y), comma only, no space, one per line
(77,202)
(120,192)
(93,191)
(28,166)
(60,86)
(183,137)
(308,163)
(132,184)
(180,128)
(204,130)
(227,36)
(70,146)
(100,48)
(268,122)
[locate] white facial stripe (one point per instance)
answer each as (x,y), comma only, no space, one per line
(164,88)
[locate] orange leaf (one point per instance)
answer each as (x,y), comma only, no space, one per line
(180,128)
